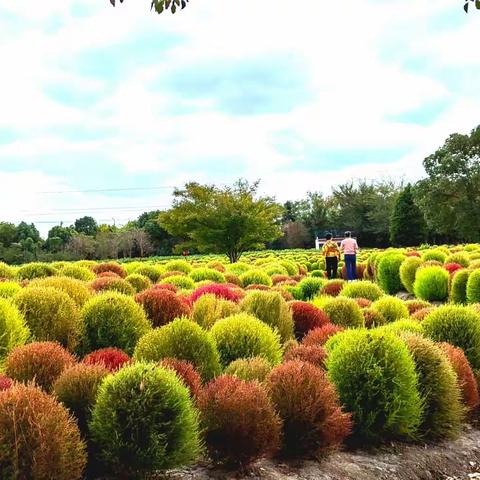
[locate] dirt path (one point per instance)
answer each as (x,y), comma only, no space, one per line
(455,460)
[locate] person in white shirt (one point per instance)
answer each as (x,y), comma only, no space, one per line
(349,247)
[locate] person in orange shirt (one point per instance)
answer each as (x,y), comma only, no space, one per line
(331,252)
(349,247)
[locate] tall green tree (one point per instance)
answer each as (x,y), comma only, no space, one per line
(8,233)
(407,225)
(450,196)
(58,237)
(86,225)
(25,230)
(226,220)
(161,241)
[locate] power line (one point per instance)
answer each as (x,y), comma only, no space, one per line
(90,209)
(163,187)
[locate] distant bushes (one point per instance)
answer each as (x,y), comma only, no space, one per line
(199,274)
(29,271)
(109,267)
(240,422)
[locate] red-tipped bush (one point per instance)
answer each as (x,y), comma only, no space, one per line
(306,317)
(42,362)
(465,377)
(416,305)
(219,290)
(451,268)
(38,438)
(110,267)
(314,354)
(363,302)
(5,383)
(297,278)
(108,275)
(240,422)
(309,407)
(110,358)
(422,313)
(233,279)
(373,318)
(117,284)
(332,288)
(360,271)
(187,374)
(162,306)
(165,286)
(319,336)
(279,278)
(287,296)
(255,286)
(413,253)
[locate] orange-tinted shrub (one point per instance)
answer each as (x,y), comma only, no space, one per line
(110,267)
(309,408)
(240,422)
(255,286)
(373,318)
(220,290)
(314,354)
(38,438)
(287,296)
(42,362)
(416,305)
(363,302)
(279,278)
(307,317)
(332,288)
(109,275)
(5,382)
(465,377)
(111,358)
(319,336)
(187,374)
(233,279)
(162,306)
(422,313)
(165,286)
(117,284)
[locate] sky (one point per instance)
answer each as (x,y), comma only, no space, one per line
(103,111)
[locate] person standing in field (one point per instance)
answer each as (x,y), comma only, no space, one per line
(331,252)
(349,247)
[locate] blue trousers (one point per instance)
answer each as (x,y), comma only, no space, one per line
(351,266)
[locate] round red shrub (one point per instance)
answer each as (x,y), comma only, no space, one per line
(363,302)
(111,358)
(360,271)
(279,278)
(465,377)
(413,253)
(117,284)
(306,317)
(451,268)
(297,278)
(220,290)
(165,286)
(108,275)
(110,267)
(422,313)
(314,354)
(5,382)
(42,362)
(38,437)
(319,336)
(162,306)
(416,305)
(240,422)
(308,405)
(332,288)
(187,374)
(287,283)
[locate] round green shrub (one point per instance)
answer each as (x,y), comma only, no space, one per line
(407,271)
(275,269)
(75,289)
(13,329)
(178,266)
(311,286)
(255,277)
(473,287)
(461,258)
(441,397)
(29,271)
(200,274)
(435,254)
(238,268)
(144,421)
(342,311)
(6,271)
(78,272)
(401,326)
(152,272)
(179,281)
(38,438)
(9,289)
(50,314)
(458,289)
(182,339)
(388,272)
(457,325)
(431,284)
(290,267)
(392,308)
(362,289)
(138,282)
(113,320)
(271,308)
(255,368)
(244,336)
(376,380)
(210,308)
